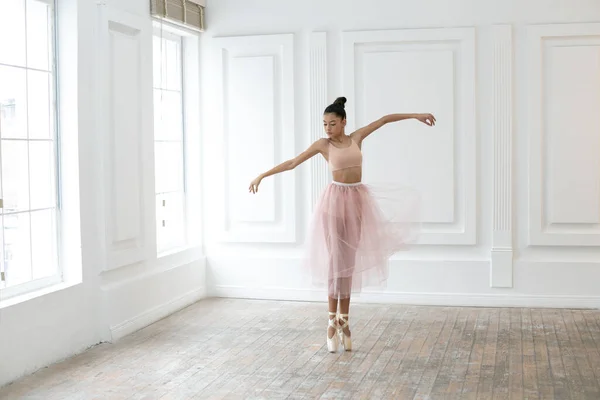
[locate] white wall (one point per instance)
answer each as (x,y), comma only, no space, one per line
(124,286)
(509,175)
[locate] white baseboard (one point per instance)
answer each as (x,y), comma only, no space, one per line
(157,313)
(430,299)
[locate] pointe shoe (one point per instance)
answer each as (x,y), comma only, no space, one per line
(332,342)
(346,340)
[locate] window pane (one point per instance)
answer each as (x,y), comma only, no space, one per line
(15,176)
(38,35)
(167,63)
(17,248)
(38,88)
(158,115)
(43,243)
(173,65)
(12,32)
(168,115)
(169,134)
(169,166)
(170,211)
(41,173)
(160,66)
(13,102)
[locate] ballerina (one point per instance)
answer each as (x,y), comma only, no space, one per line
(351,241)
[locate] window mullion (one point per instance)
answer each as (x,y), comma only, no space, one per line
(54,120)
(183,116)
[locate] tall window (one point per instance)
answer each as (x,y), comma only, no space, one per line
(169,140)
(28,146)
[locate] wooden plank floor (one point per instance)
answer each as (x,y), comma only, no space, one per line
(243,349)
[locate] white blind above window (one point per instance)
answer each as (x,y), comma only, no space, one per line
(189,13)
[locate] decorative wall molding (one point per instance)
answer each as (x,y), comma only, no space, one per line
(455,47)
(125,99)
(564,166)
(318,101)
(501,274)
(254,97)
(459,299)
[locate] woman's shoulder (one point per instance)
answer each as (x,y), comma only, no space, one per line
(322,142)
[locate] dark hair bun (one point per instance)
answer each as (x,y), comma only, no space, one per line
(340,100)
(337,108)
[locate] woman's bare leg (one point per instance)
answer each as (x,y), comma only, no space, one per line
(333,302)
(333,305)
(343,322)
(352,240)
(344,309)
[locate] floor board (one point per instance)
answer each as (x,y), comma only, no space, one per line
(247,349)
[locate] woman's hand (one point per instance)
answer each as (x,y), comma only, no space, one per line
(427,119)
(254,185)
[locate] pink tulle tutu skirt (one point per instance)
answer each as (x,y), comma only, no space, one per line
(352,238)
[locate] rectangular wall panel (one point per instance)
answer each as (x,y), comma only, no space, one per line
(124,90)
(394,81)
(564,158)
(125,133)
(416,71)
(251,139)
(572,121)
(255,117)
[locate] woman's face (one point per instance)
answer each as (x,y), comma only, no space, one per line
(333,125)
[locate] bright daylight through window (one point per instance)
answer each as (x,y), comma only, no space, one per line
(28,147)
(169,142)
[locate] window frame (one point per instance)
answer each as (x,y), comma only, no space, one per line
(173,246)
(33,285)
(192,170)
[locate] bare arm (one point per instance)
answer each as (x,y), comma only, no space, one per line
(288,165)
(360,134)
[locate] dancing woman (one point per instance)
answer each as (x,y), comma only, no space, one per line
(351,240)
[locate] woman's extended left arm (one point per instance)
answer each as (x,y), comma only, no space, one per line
(365,131)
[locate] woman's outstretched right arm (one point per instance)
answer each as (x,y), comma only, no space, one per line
(314,149)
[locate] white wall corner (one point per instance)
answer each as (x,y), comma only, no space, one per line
(501,273)
(155,314)
(173,289)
